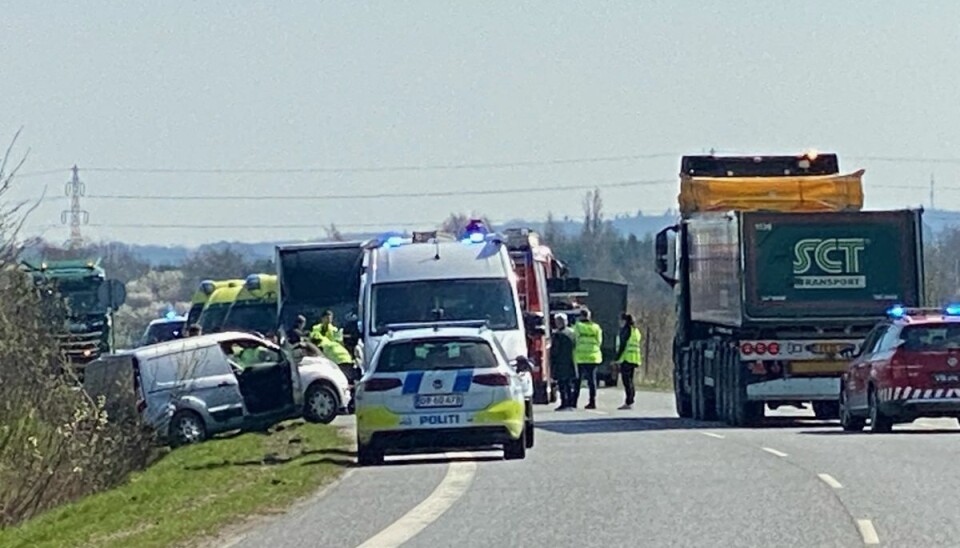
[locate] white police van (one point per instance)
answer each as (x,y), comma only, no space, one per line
(437,388)
(431,278)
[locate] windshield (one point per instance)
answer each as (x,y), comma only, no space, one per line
(931,338)
(211,320)
(162,332)
(435,354)
(255,316)
(447,300)
(81,296)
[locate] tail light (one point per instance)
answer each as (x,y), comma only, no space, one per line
(492,379)
(761,348)
(746,348)
(773,348)
(382,384)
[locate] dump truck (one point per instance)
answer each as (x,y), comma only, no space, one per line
(81,284)
(778,275)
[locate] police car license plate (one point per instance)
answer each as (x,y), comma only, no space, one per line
(440,400)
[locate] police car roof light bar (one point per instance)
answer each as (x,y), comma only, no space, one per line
(436,325)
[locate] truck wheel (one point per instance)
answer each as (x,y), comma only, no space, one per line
(719,383)
(681,399)
(826,410)
(746,413)
(709,392)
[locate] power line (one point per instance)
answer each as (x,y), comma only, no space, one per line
(313,226)
(382,169)
(521,190)
(906,159)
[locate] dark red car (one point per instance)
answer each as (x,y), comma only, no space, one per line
(907,368)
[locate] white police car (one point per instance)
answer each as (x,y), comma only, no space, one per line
(438,388)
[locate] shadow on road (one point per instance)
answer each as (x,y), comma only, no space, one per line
(346,459)
(652,424)
(896,432)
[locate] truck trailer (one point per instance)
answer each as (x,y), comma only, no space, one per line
(778,276)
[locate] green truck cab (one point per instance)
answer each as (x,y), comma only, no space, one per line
(778,276)
(255,306)
(83,286)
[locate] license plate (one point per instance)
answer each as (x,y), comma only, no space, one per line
(440,400)
(944,378)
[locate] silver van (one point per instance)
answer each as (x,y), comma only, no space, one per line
(189,389)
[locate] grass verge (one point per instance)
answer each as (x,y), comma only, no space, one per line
(194,491)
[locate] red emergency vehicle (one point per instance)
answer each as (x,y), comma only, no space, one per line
(907,368)
(534,264)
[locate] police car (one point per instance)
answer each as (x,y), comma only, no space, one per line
(437,388)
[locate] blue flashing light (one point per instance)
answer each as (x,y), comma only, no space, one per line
(476,237)
(952,309)
(393,241)
(896,311)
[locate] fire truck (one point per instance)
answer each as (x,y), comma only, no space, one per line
(534,266)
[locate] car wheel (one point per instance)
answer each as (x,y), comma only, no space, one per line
(879,423)
(186,427)
(848,421)
(368,455)
(516,449)
(320,404)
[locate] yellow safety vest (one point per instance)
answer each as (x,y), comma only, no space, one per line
(589,338)
(632,354)
(333,332)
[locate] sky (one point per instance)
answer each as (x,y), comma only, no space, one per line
(287,117)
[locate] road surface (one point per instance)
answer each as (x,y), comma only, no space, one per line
(646,478)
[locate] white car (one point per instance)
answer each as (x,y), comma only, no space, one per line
(438,388)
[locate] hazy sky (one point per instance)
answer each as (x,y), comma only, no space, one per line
(348,87)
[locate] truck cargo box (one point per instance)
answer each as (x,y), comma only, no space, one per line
(758,266)
(782,193)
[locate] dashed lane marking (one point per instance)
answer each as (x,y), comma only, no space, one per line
(867,531)
(712,435)
(774,451)
(452,487)
(830,480)
(595,412)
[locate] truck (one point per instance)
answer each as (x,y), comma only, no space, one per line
(315,277)
(534,266)
(87,333)
(778,275)
(606,301)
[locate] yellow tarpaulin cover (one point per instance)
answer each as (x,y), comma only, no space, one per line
(788,193)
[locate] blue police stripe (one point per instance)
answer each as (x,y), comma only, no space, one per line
(411,385)
(464,379)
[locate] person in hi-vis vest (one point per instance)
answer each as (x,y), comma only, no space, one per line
(629,356)
(588,355)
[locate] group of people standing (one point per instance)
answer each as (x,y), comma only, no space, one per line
(575,355)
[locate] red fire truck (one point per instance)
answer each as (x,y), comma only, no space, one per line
(534,264)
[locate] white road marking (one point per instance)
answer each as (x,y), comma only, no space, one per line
(867,531)
(830,480)
(712,435)
(451,488)
(595,412)
(774,452)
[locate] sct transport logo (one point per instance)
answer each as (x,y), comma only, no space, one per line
(829,263)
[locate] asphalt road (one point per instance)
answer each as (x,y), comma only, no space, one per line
(647,478)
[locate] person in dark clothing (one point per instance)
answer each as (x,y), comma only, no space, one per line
(562,362)
(629,356)
(297,334)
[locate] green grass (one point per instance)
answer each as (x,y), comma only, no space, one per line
(194,491)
